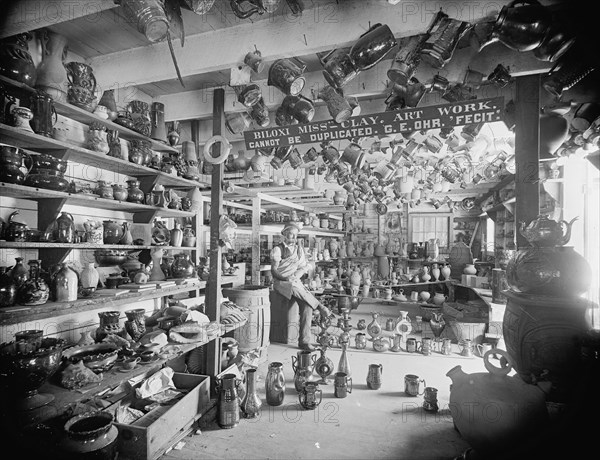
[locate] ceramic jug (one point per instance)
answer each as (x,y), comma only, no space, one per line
(275,384)
(228,403)
(302,365)
(374,376)
(374,329)
(520,407)
(339,68)
(82,85)
(65,228)
(403,325)
(44,113)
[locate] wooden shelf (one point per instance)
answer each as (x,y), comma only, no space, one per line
(113,378)
(92,201)
(27,140)
(86,246)
(85,117)
(21,313)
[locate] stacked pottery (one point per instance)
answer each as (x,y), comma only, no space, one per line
(545,318)
(47,172)
(12,164)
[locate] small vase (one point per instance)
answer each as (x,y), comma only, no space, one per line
(251,403)
(19,272)
(470,269)
(97,141)
(120,192)
(134,193)
(182,266)
(109,324)
(404,325)
(445,271)
(176,235)
(86,339)
(323,367)
(113,232)
(374,328)
(157,273)
(136,323)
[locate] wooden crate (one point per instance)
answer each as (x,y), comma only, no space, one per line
(150,436)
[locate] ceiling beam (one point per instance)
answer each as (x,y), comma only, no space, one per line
(369,85)
(327,25)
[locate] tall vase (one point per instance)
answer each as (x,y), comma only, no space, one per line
(176,235)
(34,291)
(136,323)
(251,403)
(157,273)
(344,365)
(127,238)
(51,73)
(228,403)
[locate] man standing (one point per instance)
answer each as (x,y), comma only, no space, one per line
(288,265)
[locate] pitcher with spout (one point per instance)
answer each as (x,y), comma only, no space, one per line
(302,365)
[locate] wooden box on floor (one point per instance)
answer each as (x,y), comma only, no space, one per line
(151,435)
(285,319)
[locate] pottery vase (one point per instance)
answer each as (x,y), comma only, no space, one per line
(120,192)
(51,73)
(65,228)
(97,141)
(445,272)
(134,193)
(19,273)
(275,384)
(109,324)
(64,284)
(470,269)
(85,339)
(176,235)
(374,376)
(323,366)
(89,276)
(182,266)
(302,365)
(136,323)
(404,324)
(228,401)
(251,403)
(374,329)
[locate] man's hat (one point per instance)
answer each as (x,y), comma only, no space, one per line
(292,224)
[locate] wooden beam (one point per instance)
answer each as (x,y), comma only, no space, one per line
(213,294)
(255,240)
(527,141)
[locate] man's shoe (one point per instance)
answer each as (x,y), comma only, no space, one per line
(306,347)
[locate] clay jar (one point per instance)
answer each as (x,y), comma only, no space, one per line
(134,193)
(182,266)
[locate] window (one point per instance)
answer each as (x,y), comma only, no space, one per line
(427,226)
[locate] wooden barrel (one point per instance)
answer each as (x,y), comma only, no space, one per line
(254,335)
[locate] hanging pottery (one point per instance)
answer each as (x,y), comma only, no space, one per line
(15,61)
(338,107)
(439,47)
(372,47)
(149,16)
(200,6)
(339,68)
(286,75)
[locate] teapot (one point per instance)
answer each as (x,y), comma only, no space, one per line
(545,232)
(15,231)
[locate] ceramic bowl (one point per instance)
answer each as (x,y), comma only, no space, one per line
(99,357)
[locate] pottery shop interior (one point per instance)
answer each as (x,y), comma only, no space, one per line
(299,229)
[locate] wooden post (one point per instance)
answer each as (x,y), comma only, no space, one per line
(255,238)
(213,291)
(527,141)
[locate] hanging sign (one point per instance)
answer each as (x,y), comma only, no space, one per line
(380,124)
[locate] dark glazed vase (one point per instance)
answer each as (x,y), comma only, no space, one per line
(339,68)
(182,266)
(522,28)
(34,291)
(286,75)
(109,324)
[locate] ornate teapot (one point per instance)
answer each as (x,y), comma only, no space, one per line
(545,232)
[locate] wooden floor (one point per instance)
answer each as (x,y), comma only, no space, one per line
(379,424)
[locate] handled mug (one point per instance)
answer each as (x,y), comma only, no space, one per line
(342,384)
(411,385)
